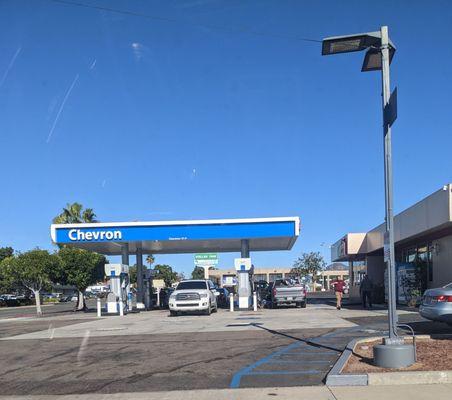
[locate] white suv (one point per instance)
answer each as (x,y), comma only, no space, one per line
(194,295)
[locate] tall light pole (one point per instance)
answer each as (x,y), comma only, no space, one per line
(380,50)
(389,233)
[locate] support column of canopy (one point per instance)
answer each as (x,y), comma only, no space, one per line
(125,302)
(125,253)
(245,248)
(140,272)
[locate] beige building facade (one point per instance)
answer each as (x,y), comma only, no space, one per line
(423,239)
(227,277)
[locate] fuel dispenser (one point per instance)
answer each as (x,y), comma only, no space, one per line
(118,297)
(244,270)
(148,276)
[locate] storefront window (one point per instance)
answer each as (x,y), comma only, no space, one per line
(358,269)
(421,256)
(259,277)
(274,277)
(410,255)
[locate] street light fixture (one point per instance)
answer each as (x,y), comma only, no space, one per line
(359,42)
(393,353)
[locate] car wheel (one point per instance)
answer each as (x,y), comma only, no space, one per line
(209,310)
(303,304)
(173,313)
(216,308)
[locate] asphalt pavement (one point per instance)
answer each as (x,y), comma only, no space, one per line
(75,353)
(47,309)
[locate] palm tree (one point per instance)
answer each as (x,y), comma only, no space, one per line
(75,214)
(89,215)
(150,259)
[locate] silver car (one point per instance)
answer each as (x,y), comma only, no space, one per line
(437,304)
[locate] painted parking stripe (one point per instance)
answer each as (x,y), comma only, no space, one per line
(278,361)
(235,382)
(312,371)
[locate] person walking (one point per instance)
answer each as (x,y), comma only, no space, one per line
(339,286)
(365,290)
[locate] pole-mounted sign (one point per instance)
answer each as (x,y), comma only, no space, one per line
(203,259)
(390,110)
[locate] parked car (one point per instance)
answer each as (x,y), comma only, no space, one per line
(9,300)
(436,304)
(223,297)
(286,292)
(9,297)
(194,295)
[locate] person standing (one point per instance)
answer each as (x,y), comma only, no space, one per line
(339,286)
(365,290)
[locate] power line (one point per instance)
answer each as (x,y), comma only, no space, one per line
(159,18)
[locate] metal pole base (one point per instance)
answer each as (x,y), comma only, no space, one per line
(394,355)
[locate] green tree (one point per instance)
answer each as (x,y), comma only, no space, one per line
(34,269)
(6,252)
(150,259)
(165,272)
(197,273)
(309,264)
(82,268)
(75,214)
(5,282)
(133,274)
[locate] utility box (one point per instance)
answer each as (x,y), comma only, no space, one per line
(244,267)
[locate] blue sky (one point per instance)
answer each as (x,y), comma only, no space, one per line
(188,115)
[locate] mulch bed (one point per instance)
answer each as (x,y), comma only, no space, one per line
(432,355)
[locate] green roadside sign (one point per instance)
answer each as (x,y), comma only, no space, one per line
(206,259)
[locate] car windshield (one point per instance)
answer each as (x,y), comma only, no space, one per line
(449,286)
(192,285)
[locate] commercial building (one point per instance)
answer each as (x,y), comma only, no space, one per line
(227,277)
(423,249)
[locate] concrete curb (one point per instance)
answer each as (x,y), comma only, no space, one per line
(409,378)
(336,378)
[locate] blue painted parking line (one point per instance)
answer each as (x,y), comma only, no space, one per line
(235,382)
(298,353)
(317,352)
(312,371)
(278,361)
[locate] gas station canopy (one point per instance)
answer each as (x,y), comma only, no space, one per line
(171,237)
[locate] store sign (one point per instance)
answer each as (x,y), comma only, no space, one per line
(339,249)
(77,235)
(152,231)
(204,259)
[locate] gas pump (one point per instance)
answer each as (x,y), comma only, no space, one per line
(244,270)
(117,299)
(148,276)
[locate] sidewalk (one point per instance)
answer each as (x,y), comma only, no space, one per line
(399,392)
